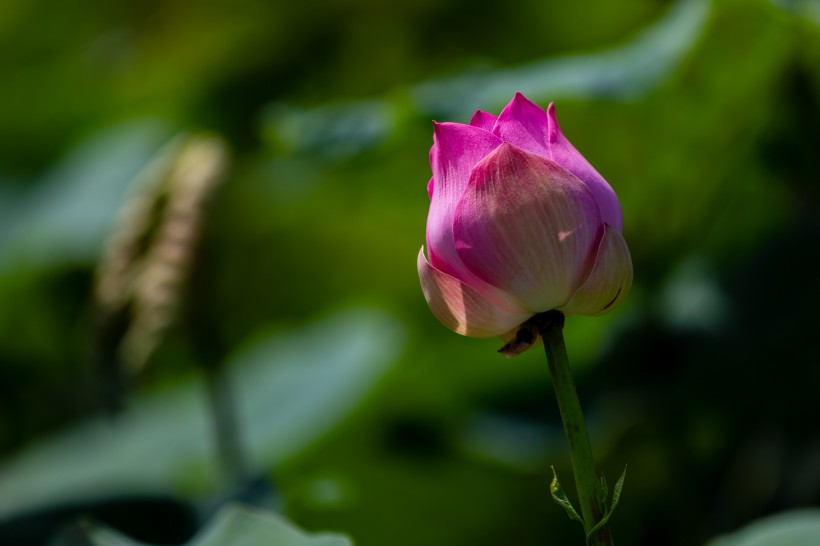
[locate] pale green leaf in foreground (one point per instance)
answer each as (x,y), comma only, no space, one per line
(234,525)
(793,528)
(295,386)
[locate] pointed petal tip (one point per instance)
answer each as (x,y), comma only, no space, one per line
(509,156)
(554,132)
(525,124)
(483,120)
(421,256)
(521,98)
(551,110)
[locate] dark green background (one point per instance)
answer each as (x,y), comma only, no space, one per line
(704,381)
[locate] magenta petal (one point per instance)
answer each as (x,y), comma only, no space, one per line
(461,308)
(457,149)
(528,227)
(565,154)
(609,280)
(483,120)
(524,125)
(430,185)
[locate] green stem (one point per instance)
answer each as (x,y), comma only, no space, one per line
(550,325)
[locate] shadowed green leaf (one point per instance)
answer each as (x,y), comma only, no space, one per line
(616,493)
(560,497)
(616,497)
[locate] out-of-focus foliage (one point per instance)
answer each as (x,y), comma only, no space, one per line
(703,115)
(793,528)
(284,407)
(233,526)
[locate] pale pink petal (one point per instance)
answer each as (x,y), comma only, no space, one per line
(564,153)
(527,227)
(456,150)
(461,308)
(609,280)
(483,120)
(524,125)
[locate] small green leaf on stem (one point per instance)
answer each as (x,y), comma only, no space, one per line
(616,493)
(561,498)
(616,497)
(603,491)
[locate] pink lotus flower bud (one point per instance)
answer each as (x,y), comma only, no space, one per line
(519,223)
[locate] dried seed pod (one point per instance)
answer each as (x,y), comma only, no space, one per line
(147,259)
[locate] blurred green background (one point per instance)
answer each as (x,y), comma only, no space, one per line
(304,307)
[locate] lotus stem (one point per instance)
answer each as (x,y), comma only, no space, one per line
(550,327)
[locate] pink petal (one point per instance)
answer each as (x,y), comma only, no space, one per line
(483,120)
(456,150)
(461,308)
(609,280)
(564,153)
(528,227)
(524,125)
(430,187)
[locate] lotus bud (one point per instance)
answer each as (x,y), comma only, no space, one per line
(519,224)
